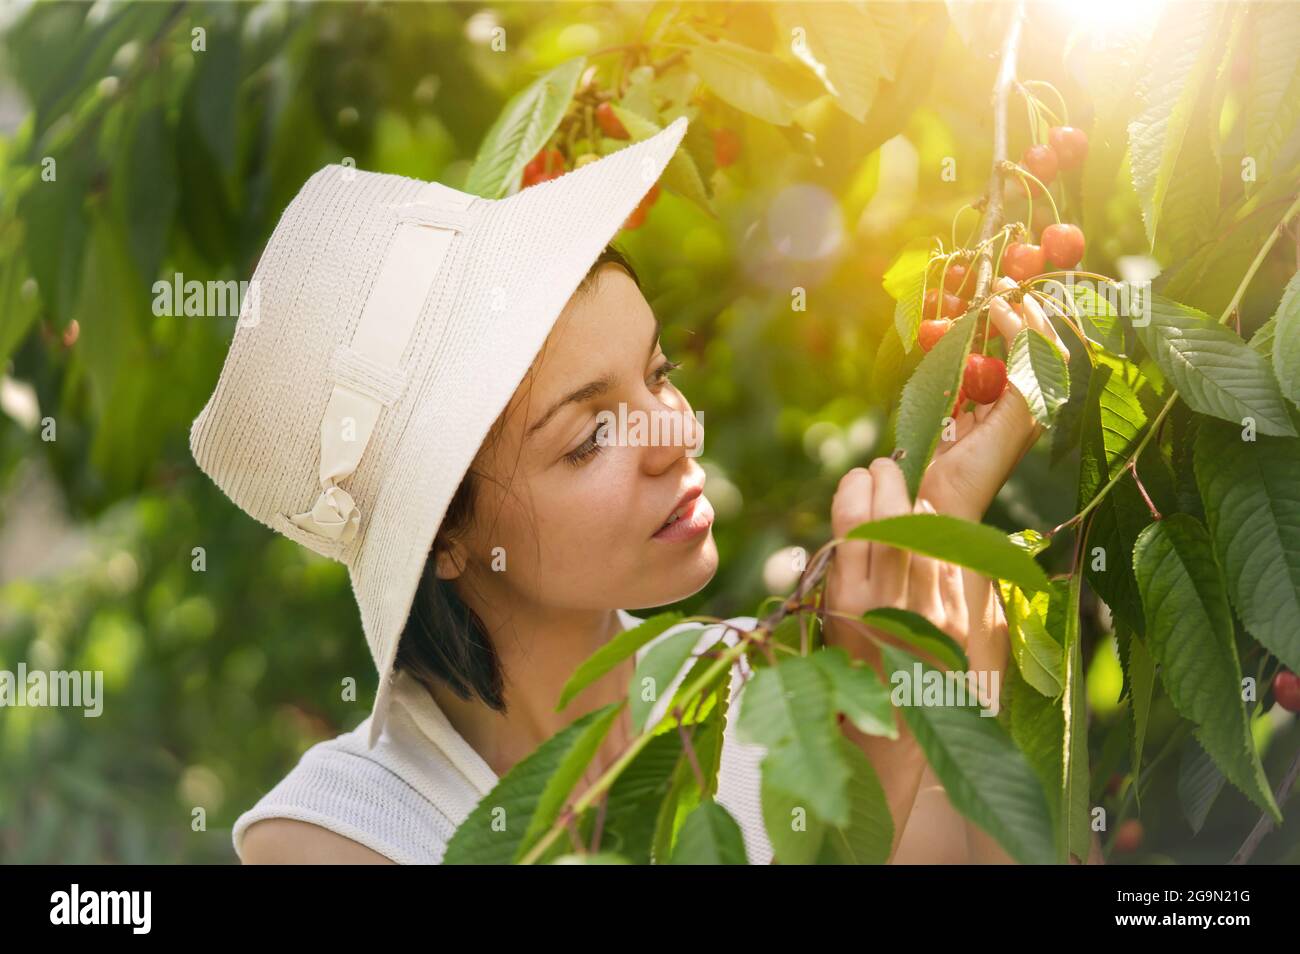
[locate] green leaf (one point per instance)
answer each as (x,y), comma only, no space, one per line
(18,308)
(1031,541)
(608,657)
(1271,102)
(894,24)
(1251,491)
(788,709)
(522,129)
(710,836)
(529,797)
(904,281)
(592,858)
(1099,312)
(1114,423)
(146,194)
(754,82)
(1263,338)
(1199,784)
(799,837)
(928,398)
(1037,654)
(887,369)
(952,540)
(636,795)
(1040,374)
(920,632)
(842,38)
(1142,678)
(685,792)
(1213,369)
(681,175)
(1037,728)
(657,670)
(857,691)
(869,837)
(1074,746)
(1189,40)
(1285,341)
(1190,636)
(984,775)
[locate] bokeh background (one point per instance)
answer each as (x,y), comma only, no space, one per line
(175,161)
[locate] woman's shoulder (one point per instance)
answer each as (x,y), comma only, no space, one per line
(360,801)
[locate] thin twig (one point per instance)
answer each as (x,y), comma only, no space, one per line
(1265,823)
(993,211)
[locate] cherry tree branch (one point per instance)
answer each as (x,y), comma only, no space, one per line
(993,205)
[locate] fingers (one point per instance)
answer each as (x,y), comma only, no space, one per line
(1010,319)
(851,506)
(1036,318)
(1006,319)
(887,566)
(923,592)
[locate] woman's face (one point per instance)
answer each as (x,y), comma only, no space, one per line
(576,510)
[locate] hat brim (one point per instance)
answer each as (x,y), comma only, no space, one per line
(527,253)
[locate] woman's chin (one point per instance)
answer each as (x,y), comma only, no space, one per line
(691,571)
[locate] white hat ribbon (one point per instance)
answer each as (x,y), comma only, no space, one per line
(366,373)
(334,515)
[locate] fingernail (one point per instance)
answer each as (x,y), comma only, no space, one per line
(898,454)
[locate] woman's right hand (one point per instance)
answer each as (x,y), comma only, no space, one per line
(864,576)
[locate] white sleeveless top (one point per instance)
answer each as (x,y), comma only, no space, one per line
(405,797)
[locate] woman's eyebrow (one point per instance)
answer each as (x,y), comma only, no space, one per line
(588,391)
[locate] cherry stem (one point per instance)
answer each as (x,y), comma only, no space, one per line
(1074,323)
(1023,173)
(1064,118)
(1132,468)
(955,219)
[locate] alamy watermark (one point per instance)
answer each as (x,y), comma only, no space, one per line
(60,688)
(659,428)
(1094,299)
(920,686)
(210,299)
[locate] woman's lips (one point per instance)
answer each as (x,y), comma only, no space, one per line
(695,520)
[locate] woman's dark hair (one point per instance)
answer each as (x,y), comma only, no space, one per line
(443,637)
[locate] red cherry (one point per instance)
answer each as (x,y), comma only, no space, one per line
(726,147)
(1128,838)
(1041,161)
(637,217)
(1071,145)
(1022,261)
(955,278)
(952,305)
(1063,245)
(609,122)
(1114,784)
(931,330)
(547,164)
(984,379)
(1286,690)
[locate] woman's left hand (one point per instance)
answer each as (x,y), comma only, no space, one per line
(966,473)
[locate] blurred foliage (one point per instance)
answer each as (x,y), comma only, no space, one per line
(171,160)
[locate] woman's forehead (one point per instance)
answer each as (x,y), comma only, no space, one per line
(603,329)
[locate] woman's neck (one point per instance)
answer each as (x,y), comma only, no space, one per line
(538,650)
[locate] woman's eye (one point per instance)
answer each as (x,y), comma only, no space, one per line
(662,372)
(586,450)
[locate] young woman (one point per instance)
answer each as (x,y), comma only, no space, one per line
(553,531)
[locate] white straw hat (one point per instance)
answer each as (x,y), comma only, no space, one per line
(386,327)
